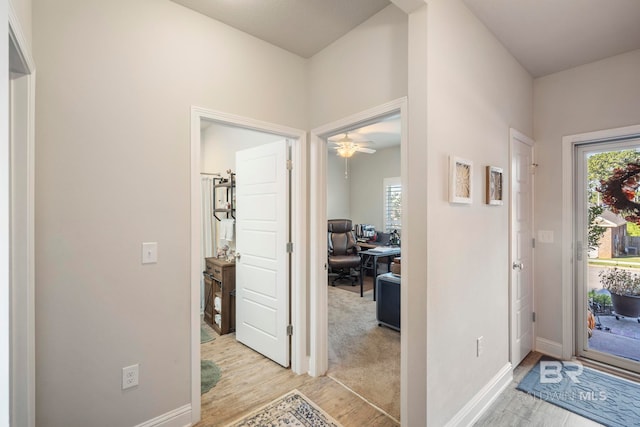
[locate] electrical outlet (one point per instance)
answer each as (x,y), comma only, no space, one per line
(129,376)
(479,346)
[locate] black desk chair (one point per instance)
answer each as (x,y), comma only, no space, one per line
(343,250)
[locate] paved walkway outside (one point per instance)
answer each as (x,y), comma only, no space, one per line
(623,336)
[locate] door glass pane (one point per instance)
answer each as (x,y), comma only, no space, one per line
(611,282)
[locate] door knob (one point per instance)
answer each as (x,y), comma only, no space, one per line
(238,255)
(517,266)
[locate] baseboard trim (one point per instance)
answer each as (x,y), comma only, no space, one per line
(474,409)
(549,348)
(180,417)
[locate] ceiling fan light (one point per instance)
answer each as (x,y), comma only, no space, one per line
(346,151)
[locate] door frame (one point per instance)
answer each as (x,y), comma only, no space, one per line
(568,226)
(298,297)
(516,136)
(319,328)
(22,395)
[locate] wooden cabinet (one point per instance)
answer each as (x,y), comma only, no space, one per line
(220,283)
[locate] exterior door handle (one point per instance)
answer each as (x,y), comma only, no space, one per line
(517,266)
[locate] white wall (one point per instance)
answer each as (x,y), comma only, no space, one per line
(220,143)
(4,223)
(365,68)
(338,188)
(116,81)
(476,92)
(22,8)
(601,95)
(413,340)
(367,174)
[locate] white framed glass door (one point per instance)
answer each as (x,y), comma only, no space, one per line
(606,248)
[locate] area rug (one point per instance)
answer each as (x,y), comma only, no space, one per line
(209,375)
(205,336)
(604,398)
(292,409)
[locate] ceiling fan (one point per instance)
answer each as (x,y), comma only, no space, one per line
(347,147)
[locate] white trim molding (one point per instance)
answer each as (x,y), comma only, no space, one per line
(180,417)
(299,358)
(568,225)
(475,407)
(549,348)
(318,362)
(22,396)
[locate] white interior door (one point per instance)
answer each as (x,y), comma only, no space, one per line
(262,268)
(521,248)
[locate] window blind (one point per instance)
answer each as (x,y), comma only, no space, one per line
(392,205)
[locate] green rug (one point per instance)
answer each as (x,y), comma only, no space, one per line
(205,336)
(209,375)
(293,409)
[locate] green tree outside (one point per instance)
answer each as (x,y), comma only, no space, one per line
(601,165)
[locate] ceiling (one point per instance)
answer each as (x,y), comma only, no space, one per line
(545,36)
(303,27)
(382,134)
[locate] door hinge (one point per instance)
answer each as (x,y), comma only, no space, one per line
(289,330)
(533,316)
(289,164)
(533,243)
(289,247)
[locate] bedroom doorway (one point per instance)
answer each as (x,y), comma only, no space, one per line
(217,138)
(327,329)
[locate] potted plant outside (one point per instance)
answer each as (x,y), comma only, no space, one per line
(624,287)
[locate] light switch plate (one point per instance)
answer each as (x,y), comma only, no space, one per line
(150,253)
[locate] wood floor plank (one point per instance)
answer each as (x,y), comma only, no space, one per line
(250,381)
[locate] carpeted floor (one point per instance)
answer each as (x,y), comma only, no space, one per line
(362,355)
(367,285)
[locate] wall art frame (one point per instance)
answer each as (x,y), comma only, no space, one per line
(460,180)
(494,186)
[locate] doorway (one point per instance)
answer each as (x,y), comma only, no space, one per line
(364,195)
(607,263)
(297,317)
(319,344)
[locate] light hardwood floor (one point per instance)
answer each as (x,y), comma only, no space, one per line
(249,381)
(515,408)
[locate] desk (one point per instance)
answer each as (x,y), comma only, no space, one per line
(369,261)
(366,245)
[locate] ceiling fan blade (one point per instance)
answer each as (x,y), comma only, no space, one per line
(366,150)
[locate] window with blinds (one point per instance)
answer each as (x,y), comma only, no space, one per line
(392,209)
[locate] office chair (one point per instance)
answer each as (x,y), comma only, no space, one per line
(343,250)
